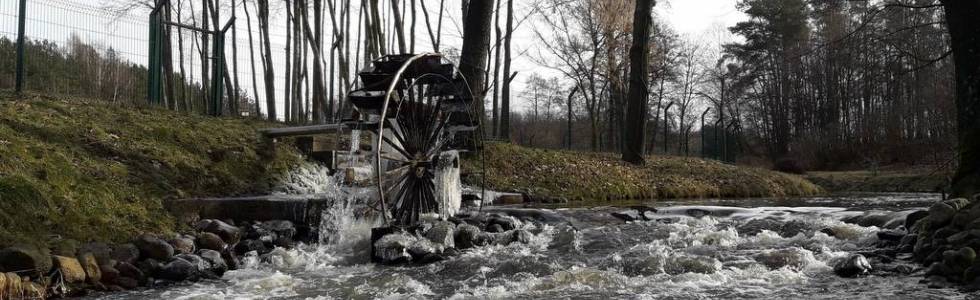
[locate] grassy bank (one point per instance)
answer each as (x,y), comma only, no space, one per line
(907,180)
(87,170)
(602,176)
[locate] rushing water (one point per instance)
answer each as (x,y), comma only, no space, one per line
(695,250)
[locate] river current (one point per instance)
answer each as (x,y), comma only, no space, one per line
(710,249)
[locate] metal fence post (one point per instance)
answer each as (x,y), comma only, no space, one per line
(20,46)
(218,69)
(155,85)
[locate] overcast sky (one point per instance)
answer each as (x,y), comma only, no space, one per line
(702,21)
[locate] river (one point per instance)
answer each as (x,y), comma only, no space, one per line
(705,249)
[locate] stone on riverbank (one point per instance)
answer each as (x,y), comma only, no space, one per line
(126,253)
(153,247)
(228,233)
(91,267)
(26,260)
(71,270)
(218,266)
(183,245)
(211,241)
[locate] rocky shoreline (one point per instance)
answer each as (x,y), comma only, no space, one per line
(438,240)
(71,269)
(946,239)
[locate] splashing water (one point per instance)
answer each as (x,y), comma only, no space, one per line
(761,252)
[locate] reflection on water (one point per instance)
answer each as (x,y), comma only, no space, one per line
(770,249)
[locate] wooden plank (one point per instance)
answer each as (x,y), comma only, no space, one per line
(302,130)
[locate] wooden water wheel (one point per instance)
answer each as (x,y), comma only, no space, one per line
(419,108)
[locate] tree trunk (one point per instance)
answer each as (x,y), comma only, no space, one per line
(270,79)
(964,33)
(473,58)
(636,110)
(251,51)
(505,90)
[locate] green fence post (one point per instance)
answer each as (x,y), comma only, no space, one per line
(217,73)
(154,88)
(20,46)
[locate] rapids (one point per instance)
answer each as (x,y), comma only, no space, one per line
(727,249)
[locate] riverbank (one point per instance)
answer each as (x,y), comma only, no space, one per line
(75,169)
(905,180)
(559,176)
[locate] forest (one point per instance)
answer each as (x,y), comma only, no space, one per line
(805,85)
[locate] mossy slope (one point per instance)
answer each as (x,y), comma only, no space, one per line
(603,176)
(89,170)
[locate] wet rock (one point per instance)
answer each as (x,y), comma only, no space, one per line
(630,215)
(91,267)
(914,218)
(131,271)
(692,264)
(505,222)
(420,249)
(182,245)
(972,274)
(793,258)
(755,226)
(938,269)
(966,216)
(697,213)
(467,236)
(71,270)
(153,247)
(495,228)
(26,260)
(150,267)
(217,264)
(178,270)
(282,228)
(231,259)
(941,213)
(442,233)
(199,263)
(101,251)
(208,240)
(944,233)
(959,260)
(109,273)
(128,283)
(247,246)
(228,233)
(890,235)
(257,232)
(793,228)
(285,242)
(963,237)
(126,253)
(393,248)
(852,266)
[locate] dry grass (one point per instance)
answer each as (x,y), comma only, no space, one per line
(602,176)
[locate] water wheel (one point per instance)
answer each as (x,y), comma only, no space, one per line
(420,111)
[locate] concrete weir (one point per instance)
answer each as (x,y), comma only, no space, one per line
(300,209)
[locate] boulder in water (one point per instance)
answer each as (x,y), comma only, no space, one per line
(442,233)
(281,228)
(852,266)
(793,258)
(468,236)
(630,215)
(217,264)
(890,235)
(247,246)
(178,270)
(393,248)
